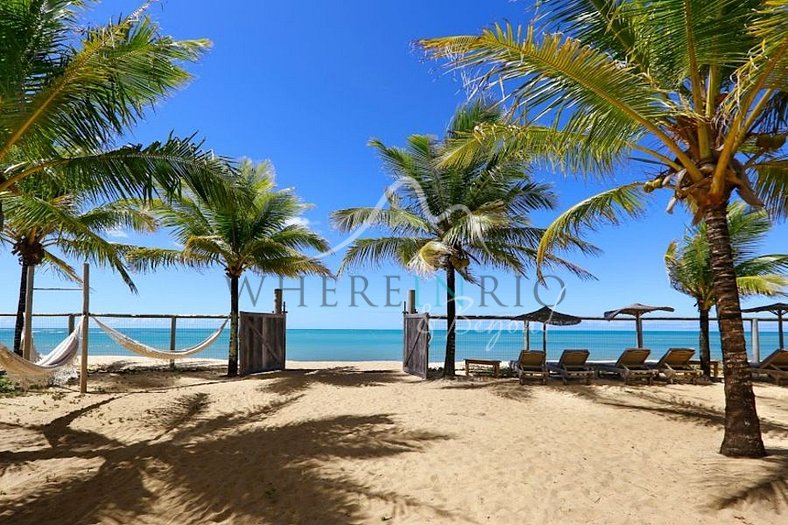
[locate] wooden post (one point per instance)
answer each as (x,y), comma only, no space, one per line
(756,340)
(27,348)
(544,338)
(639,328)
(411,301)
(70,323)
(173,331)
(278,305)
(83,369)
(527,329)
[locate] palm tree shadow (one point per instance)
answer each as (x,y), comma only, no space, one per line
(505,389)
(126,376)
(289,382)
(770,488)
(673,408)
(226,467)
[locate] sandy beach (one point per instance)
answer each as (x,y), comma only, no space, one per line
(336,443)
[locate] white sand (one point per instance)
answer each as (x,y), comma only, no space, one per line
(336,443)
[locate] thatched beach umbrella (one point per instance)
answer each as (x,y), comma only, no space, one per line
(637,310)
(778,309)
(546,316)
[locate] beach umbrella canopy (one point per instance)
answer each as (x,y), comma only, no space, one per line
(778,309)
(637,310)
(546,316)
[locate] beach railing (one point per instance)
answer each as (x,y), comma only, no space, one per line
(502,337)
(483,336)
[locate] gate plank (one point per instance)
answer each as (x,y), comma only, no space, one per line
(416,339)
(262,342)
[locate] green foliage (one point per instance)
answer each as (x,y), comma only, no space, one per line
(451,216)
(256,227)
(7,387)
(689,267)
(48,215)
(68,93)
(607,207)
(695,85)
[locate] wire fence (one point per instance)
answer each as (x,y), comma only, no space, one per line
(503,338)
(492,337)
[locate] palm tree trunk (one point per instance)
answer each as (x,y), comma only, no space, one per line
(232,362)
(451,321)
(742,427)
(705,350)
(20,311)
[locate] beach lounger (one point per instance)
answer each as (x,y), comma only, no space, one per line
(532,364)
(631,365)
(572,365)
(675,363)
(774,366)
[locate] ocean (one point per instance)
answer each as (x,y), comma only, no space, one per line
(371,345)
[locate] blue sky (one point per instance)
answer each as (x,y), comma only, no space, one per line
(306,85)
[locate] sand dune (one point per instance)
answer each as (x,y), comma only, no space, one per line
(362,443)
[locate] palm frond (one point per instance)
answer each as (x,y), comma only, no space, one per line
(772,185)
(100,87)
(608,207)
(151,259)
(373,252)
(557,73)
(689,262)
(396,219)
(766,285)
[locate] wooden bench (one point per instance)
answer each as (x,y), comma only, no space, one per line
(496,365)
(715,367)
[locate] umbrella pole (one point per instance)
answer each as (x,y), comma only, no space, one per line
(527,336)
(780,328)
(639,328)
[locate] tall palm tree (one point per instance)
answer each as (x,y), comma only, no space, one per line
(696,87)
(46,217)
(257,229)
(67,93)
(445,219)
(690,273)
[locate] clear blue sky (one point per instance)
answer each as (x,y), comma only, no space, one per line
(306,85)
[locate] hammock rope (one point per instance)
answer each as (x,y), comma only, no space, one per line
(148,351)
(62,355)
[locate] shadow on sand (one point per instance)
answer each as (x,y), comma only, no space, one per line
(290,382)
(673,408)
(229,467)
(506,389)
(769,487)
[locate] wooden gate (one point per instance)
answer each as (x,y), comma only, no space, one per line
(416,344)
(262,342)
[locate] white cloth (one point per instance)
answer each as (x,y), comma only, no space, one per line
(59,357)
(148,351)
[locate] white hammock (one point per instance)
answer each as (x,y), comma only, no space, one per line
(60,356)
(148,351)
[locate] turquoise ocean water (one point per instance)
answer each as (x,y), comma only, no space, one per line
(367,345)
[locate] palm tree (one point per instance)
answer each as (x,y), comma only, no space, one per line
(46,217)
(690,273)
(257,230)
(445,219)
(694,87)
(67,93)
